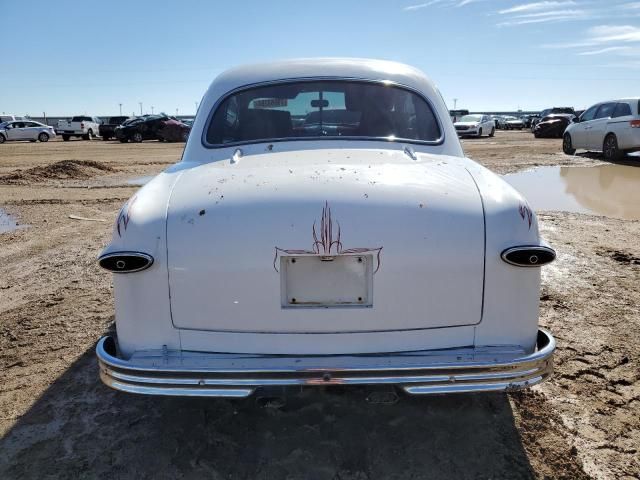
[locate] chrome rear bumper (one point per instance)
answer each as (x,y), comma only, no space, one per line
(181,373)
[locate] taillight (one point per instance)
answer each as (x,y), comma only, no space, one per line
(529,256)
(82,125)
(635,123)
(125,262)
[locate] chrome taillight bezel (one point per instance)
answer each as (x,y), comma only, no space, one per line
(532,256)
(111,262)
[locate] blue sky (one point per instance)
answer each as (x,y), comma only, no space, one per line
(67,57)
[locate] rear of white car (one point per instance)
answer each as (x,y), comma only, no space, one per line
(611,127)
(324,228)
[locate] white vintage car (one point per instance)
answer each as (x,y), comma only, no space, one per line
(324,227)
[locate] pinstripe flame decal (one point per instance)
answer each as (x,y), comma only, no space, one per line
(326,245)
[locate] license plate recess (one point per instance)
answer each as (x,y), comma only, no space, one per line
(331,281)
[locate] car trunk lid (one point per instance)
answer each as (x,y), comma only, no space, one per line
(416,225)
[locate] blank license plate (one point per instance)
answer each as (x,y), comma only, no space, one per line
(315,281)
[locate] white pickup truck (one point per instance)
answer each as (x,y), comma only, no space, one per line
(80,126)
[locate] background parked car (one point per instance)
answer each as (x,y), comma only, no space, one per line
(174,130)
(475,125)
(610,127)
(533,120)
(26,130)
(456,115)
(513,123)
(152,127)
(9,118)
(526,119)
(79,126)
(553,126)
(107,129)
(499,121)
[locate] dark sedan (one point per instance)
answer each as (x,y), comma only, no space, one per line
(553,126)
(152,127)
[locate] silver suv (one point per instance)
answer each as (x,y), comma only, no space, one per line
(612,128)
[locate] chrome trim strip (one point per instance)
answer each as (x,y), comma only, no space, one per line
(183,373)
(540,248)
(145,256)
(387,83)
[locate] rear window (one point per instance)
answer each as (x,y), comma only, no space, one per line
(325,109)
(622,110)
(81,119)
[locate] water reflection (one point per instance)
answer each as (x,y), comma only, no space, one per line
(609,190)
(7,222)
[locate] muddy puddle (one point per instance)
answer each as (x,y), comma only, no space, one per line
(608,190)
(7,222)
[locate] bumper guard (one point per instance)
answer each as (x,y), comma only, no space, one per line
(183,373)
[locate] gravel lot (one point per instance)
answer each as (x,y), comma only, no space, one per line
(58,421)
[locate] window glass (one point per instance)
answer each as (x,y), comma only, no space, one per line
(622,110)
(330,109)
(589,114)
(606,110)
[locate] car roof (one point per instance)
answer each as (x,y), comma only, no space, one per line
(318,68)
(629,99)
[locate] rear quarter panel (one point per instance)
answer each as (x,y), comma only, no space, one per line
(143,315)
(511,294)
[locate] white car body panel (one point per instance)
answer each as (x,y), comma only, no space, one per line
(224,225)
(278,197)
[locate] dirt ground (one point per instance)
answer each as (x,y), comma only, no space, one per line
(58,421)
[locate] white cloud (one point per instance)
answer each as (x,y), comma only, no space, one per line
(614,33)
(605,50)
(547,17)
(617,41)
(443,3)
(421,5)
(529,7)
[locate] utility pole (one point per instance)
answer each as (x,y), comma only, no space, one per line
(176,112)
(140,103)
(151,109)
(455,103)
(120,109)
